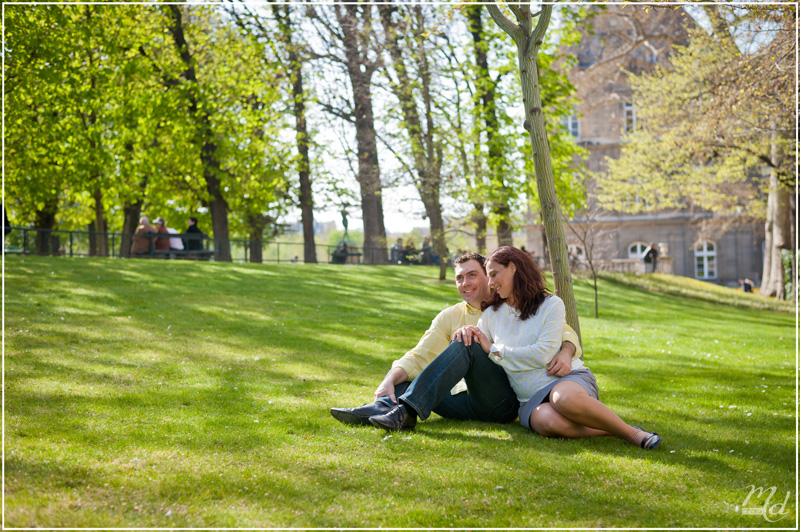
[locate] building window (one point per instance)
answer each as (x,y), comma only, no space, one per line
(705,260)
(637,249)
(630,118)
(572,125)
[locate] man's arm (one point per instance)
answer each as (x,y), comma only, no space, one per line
(395,376)
(561,364)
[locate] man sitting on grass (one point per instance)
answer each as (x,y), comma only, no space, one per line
(486,395)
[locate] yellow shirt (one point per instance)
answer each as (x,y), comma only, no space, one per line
(440,334)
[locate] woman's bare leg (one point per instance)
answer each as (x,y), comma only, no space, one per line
(571,400)
(547,422)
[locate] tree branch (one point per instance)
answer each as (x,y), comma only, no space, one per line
(513,30)
(541,27)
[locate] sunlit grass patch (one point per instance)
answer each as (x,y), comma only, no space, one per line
(183,394)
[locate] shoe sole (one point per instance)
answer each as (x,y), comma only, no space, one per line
(349,418)
(392,429)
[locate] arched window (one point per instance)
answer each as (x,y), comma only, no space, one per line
(705,260)
(636,250)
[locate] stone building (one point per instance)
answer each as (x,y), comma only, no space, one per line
(631,38)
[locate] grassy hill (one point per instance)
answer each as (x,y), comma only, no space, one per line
(183,394)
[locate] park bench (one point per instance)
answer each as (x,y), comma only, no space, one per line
(351,257)
(202,254)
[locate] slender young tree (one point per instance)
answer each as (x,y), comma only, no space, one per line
(286,50)
(528,40)
(403,29)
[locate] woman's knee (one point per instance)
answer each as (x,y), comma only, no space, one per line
(568,396)
(544,420)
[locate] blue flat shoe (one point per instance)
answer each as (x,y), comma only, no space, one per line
(651,441)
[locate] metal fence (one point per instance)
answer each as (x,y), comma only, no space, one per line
(36,241)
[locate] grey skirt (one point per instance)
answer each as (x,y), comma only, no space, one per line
(582,376)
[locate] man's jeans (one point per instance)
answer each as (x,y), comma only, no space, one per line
(490,397)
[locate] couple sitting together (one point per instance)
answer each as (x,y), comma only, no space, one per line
(510,342)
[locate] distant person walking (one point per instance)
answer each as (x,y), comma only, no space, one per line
(650,256)
(747,285)
(141,243)
(397,252)
(194,239)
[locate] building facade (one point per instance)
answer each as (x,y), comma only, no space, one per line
(635,39)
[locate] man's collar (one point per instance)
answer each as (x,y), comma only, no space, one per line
(471,309)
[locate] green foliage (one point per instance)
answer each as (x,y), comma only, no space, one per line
(102,105)
(197,395)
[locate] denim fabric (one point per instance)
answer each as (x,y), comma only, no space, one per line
(490,397)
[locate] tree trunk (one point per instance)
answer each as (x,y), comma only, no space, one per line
(528,43)
(131,212)
(256,245)
(301,129)
(792,219)
(94,237)
(777,237)
(427,156)
(100,224)
(208,150)
(485,93)
(479,220)
(46,241)
(777,233)
(360,71)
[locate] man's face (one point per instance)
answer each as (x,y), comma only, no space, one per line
(472,283)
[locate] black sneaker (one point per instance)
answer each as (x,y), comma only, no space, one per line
(398,418)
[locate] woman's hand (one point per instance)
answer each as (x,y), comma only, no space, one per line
(469,333)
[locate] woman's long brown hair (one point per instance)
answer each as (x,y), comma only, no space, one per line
(529,288)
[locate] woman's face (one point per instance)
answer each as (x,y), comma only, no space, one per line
(501,280)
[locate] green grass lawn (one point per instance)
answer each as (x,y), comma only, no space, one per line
(184,394)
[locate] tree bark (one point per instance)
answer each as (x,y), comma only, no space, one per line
(257,224)
(777,231)
(528,41)
(46,241)
(131,213)
(360,71)
(100,224)
(777,237)
(218,206)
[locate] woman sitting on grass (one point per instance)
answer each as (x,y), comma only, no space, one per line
(521,329)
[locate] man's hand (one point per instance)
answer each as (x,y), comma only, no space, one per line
(386,387)
(561,364)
